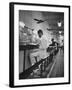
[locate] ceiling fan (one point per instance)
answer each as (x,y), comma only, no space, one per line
(39,21)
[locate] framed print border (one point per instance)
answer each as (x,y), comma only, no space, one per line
(11,43)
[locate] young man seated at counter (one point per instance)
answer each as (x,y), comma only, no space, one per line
(40,53)
(53,46)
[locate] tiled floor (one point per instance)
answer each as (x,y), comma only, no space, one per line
(58,69)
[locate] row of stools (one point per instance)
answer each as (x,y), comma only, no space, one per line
(45,64)
(41,68)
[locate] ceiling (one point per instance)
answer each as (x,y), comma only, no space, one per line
(50,20)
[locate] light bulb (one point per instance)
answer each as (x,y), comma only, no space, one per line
(59,24)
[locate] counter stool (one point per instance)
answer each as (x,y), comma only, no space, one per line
(38,67)
(47,60)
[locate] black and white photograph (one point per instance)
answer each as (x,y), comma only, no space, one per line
(41,44)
